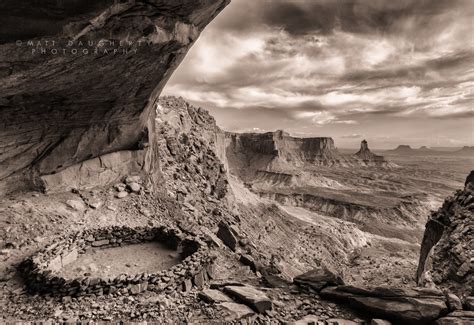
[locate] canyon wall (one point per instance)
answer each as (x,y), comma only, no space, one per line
(249,153)
(80,80)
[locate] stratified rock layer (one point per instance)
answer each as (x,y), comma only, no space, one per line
(249,153)
(447,250)
(58,110)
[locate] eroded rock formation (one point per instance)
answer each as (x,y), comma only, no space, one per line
(80,80)
(248,153)
(446,256)
(368,158)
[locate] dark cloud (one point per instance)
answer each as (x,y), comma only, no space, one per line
(356,16)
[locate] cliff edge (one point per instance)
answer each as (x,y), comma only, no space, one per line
(447,249)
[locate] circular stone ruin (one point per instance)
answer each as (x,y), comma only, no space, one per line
(58,269)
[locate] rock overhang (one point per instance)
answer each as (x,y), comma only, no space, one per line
(59,108)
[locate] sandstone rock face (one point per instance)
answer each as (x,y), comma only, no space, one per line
(278,149)
(447,249)
(404,306)
(59,108)
(249,153)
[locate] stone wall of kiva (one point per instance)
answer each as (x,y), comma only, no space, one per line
(41,270)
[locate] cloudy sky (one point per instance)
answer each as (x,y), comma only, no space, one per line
(391,71)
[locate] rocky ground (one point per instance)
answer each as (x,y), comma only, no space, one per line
(260,243)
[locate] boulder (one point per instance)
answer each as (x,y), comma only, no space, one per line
(406,306)
(252,297)
(134,187)
(228,235)
(213,296)
(318,279)
(249,261)
(121,195)
(275,281)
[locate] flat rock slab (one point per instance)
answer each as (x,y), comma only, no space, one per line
(458,317)
(256,299)
(405,306)
(236,311)
(213,296)
(318,279)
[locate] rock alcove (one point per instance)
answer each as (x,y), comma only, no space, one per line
(52,270)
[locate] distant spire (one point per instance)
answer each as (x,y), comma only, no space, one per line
(364,145)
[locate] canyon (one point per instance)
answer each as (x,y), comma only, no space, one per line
(289,229)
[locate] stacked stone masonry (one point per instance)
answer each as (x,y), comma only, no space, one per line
(41,270)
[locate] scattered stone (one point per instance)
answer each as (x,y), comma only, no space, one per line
(256,299)
(120,187)
(100,243)
(249,261)
(137,288)
(318,279)
(275,281)
(95,203)
(227,235)
(134,187)
(121,194)
(213,296)
(199,279)
(76,205)
(187,285)
(211,237)
(147,213)
(132,179)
